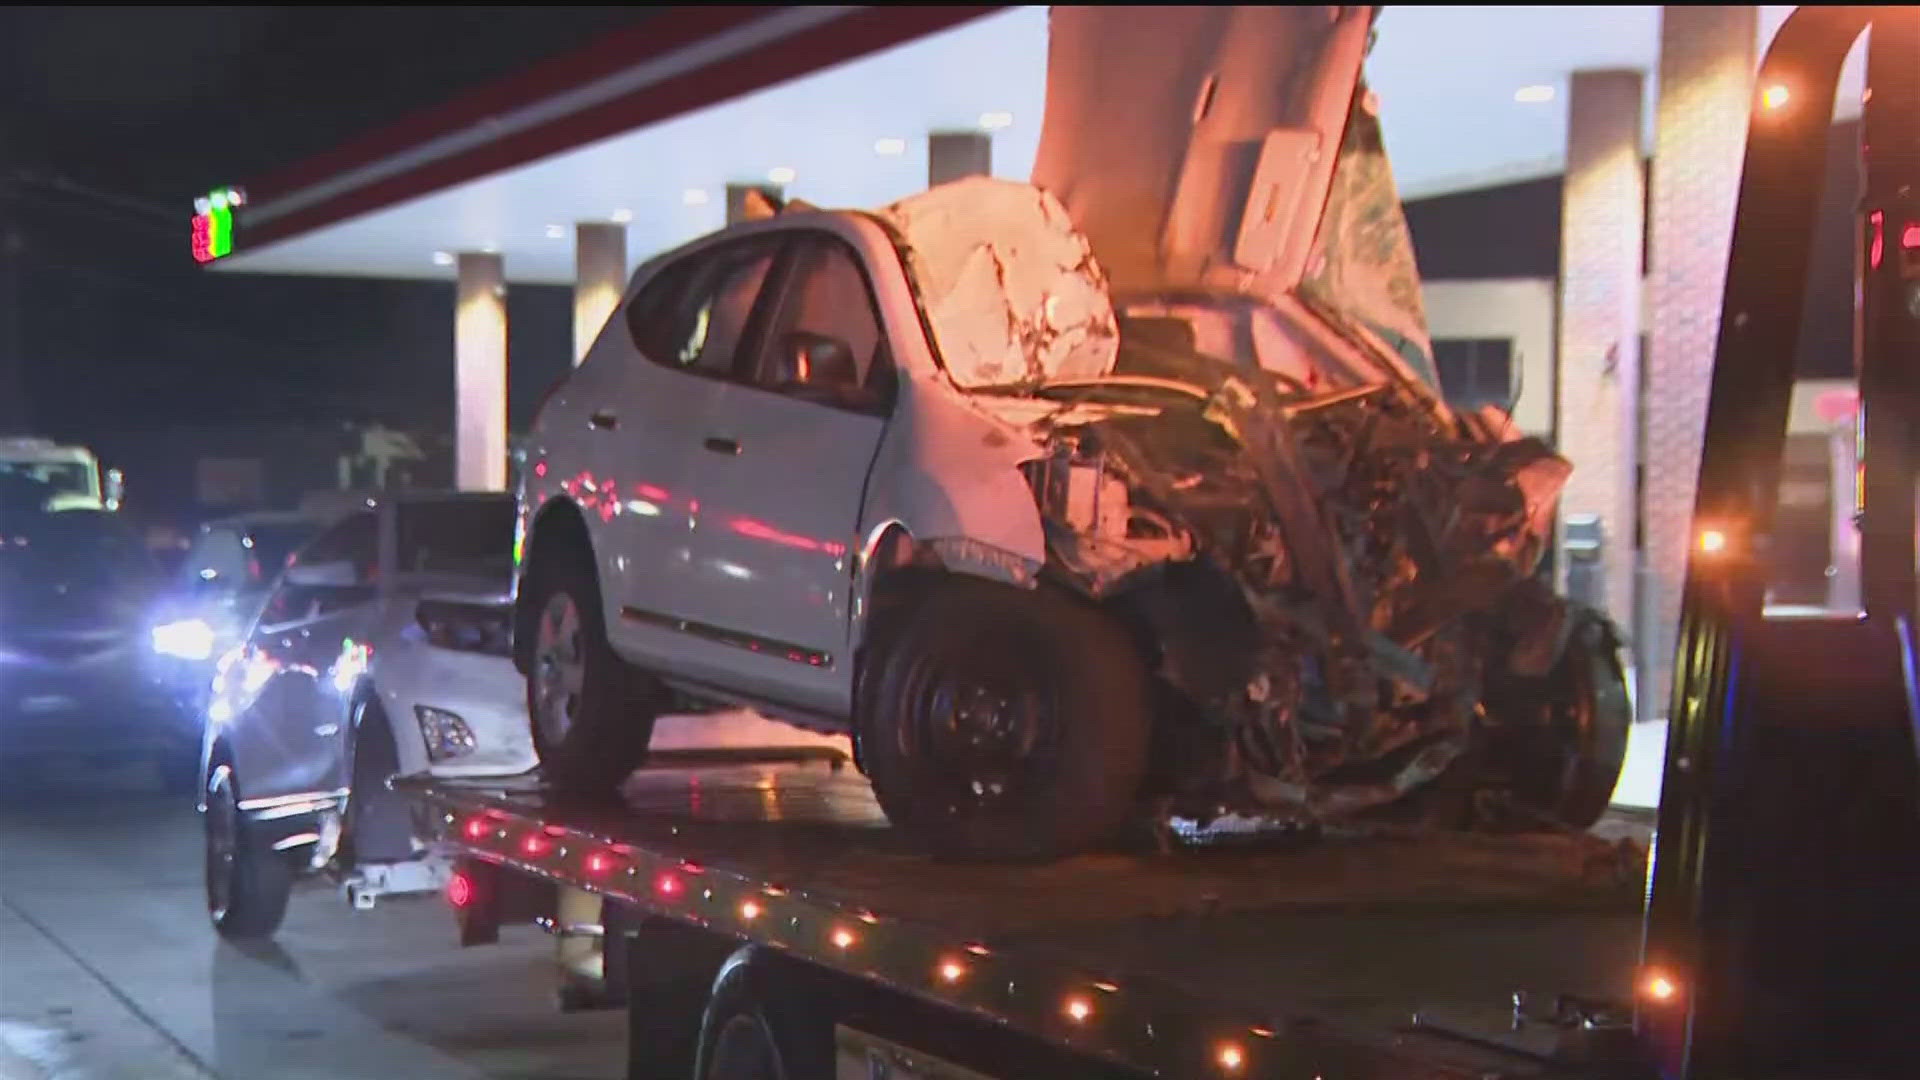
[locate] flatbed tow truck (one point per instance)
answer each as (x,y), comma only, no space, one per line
(757,919)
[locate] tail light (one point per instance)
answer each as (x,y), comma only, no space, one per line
(460,890)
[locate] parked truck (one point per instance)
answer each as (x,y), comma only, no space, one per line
(61,477)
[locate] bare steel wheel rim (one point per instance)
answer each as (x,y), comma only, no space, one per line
(559,668)
(222,835)
(986,729)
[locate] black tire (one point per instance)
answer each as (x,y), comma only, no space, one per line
(379,823)
(1564,736)
(608,718)
(762,1023)
(177,772)
(247,882)
(1045,755)
(744,1049)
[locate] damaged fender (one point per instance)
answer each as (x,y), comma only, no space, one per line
(950,477)
(1009,294)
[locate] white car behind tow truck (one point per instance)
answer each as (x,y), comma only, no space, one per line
(380,650)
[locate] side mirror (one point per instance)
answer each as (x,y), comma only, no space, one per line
(114,488)
(818,360)
(325,575)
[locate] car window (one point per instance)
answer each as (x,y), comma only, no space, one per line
(693,314)
(216,558)
(652,316)
(64,477)
(297,603)
(456,536)
(290,603)
(824,340)
(355,540)
(268,546)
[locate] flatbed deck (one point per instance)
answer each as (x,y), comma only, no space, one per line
(1147,958)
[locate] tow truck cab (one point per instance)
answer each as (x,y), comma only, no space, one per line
(1780,939)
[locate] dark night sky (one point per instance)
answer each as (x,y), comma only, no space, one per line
(113,118)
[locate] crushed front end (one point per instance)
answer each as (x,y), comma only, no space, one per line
(1206,315)
(1337,584)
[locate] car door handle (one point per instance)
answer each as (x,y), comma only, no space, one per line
(729,447)
(603,421)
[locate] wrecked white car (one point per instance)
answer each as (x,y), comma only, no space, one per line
(1057,552)
(911,476)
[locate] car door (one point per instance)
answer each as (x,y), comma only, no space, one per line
(682,341)
(288,739)
(781,474)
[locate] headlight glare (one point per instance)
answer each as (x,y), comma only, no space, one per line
(187,639)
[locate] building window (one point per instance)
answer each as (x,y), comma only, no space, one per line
(1475,371)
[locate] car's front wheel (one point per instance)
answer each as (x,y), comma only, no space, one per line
(592,714)
(247,882)
(1001,723)
(1562,738)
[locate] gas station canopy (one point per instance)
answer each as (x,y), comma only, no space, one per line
(834,104)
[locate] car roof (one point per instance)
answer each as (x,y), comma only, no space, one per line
(328,511)
(268,517)
(402,498)
(786,221)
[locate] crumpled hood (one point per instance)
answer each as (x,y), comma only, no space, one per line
(1012,292)
(1231,151)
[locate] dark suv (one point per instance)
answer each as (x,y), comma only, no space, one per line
(76,594)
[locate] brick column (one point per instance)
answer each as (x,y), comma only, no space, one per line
(1700,129)
(952,155)
(1601,224)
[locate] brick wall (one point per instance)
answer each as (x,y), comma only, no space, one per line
(1706,83)
(1601,225)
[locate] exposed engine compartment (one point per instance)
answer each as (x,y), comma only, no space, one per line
(1205,312)
(1327,577)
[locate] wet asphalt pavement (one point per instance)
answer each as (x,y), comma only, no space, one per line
(108,968)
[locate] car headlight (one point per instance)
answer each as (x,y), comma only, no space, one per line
(187,639)
(447,736)
(238,677)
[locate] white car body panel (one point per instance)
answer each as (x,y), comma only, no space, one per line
(284,702)
(737,574)
(295,736)
(483,690)
(949,474)
(771,543)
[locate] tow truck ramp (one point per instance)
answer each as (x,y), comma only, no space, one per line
(1450,955)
